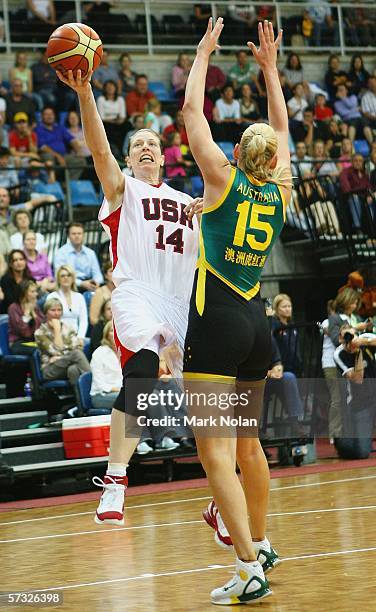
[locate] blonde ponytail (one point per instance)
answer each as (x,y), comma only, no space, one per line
(258,146)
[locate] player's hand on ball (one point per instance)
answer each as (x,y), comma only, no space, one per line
(209,42)
(194,208)
(266,54)
(79,83)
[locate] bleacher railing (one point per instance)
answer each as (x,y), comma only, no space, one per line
(162,26)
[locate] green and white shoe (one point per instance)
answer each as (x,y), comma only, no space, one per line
(248,586)
(266,555)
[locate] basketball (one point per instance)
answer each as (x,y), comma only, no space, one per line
(74,46)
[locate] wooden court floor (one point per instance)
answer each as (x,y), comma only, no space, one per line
(165,559)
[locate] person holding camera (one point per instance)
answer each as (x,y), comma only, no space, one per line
(355,359)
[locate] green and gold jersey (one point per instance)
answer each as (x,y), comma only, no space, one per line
(237,234)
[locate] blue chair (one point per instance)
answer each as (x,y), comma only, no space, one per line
(40,385)
(5,353)
(88,295)
(361,147)
(84,398)
(161,92)
(83,193)
(197,186)
(227,148)
(63,117)
(49,188)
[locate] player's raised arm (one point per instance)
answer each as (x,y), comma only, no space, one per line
(106,166)
(266,57)
(208,156)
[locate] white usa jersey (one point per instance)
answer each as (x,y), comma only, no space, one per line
(151,238)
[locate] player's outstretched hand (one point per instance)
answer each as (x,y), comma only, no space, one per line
(194,208)
(79,83)
(266,54)
(209,42)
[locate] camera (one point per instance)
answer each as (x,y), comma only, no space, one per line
(348,337)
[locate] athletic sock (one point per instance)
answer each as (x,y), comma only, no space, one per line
(116,469)
(264,544)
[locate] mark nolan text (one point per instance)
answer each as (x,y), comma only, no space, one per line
(194,421)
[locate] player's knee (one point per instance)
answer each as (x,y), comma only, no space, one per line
(247,449)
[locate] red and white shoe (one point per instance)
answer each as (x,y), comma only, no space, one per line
(111,504)
(214,520)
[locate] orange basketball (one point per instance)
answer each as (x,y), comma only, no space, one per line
(74,46)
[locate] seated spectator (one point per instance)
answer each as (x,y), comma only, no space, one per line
(285,334)
(137,99)
(335,76)
(111,108)
(336,134)
(106,370)
(127,76)
(153,112)
(355,183)
(368,106)
(347,107)
(226,115)
(180,73)
(371,162)
(5,213)
(138,122)
(215,81)
(79,257)
(346,154)
(322,112)
(360,27)
(105,72)
(55,143)
(12,279)
(201,14)
(18,102)
(358,75)
(22,72)
(44,83)
(174,162)
(22,221)
(73,125)
(73,303)
(321,167)
(60,346)
(177,126)
(38,263)
(295,107)
(25,317)
(301,163)
(5,245)
(323,23)
(22,140)
(294,74)
(33,175)
(242,72)
(42,13)
(4,139)
(284,385)
(249,109)
(310,130)
(8,175)
(96,334)
(101,294)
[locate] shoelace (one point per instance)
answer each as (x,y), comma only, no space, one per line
(112,493)
(98,482)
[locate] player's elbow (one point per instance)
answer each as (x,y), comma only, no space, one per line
(189,109)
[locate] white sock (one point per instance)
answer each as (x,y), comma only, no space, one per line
(116,469)
(251,564)
(265,544)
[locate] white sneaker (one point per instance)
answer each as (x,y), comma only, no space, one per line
(111,504)
(247,586)
(143,448)
(214,520)
(166,444)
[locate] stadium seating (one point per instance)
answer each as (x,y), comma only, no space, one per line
(227,148)
(83,193)
(40,385)
(160,91)
(361,147)
(5,353)
(50,189)
(84,399)
(197,186)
